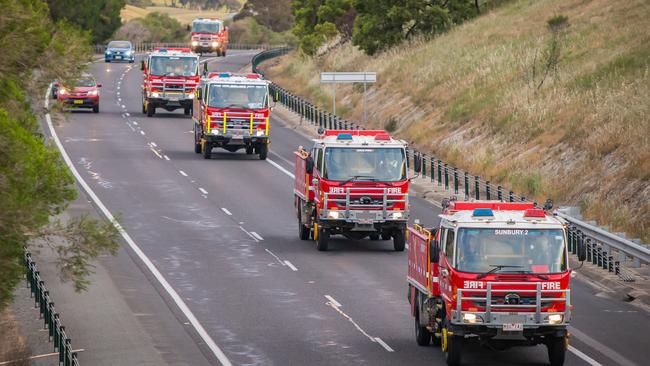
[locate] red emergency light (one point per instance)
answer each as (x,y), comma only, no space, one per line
(535,213)
(356,132)
(253,76)
(494,205)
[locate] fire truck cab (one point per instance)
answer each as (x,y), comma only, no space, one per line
(232,112)
(171,76)
(492,272)
(209,35)
(353,183)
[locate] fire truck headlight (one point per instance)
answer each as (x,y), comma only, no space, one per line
(397,215)
(155,95)
(259,133)
(333,215)
(472,318)
(215,44)
(195,43)
(191,96)
(555,318)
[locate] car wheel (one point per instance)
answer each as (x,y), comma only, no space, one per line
(96,109)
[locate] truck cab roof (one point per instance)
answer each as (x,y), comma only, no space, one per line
(498,214)
(358,138)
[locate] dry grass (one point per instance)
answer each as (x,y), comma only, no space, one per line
(12,344)
(469,96)
(183,15)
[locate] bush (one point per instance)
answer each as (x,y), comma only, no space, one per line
(154,27)
(251,32)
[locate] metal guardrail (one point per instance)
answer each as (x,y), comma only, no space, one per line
(146,47)
(51,319)
(599,242)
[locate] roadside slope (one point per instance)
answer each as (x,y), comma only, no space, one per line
(483,98)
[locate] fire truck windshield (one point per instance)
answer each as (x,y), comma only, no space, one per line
(206,27)
(173,66)
(539,251)
(364,163)
(238,96)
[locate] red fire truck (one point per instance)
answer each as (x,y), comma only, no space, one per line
(171,76)
(232,112)
(209,35)
(492,272)
(353,183)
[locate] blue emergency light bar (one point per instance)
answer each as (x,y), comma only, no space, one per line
(483,212)
(224,75)
(344,137)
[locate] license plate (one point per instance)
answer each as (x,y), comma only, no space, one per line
(118,57)
(513,327)
(237,137)
(78,101)
(204,44)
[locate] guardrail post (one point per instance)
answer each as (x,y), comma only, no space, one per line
(432,168)
(477,188)
(499,193)
(446,177)
(455,180)
(511,196)
(439,172)
(466,185)
(424,166)
(488,190)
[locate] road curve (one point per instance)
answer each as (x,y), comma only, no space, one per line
(222,233)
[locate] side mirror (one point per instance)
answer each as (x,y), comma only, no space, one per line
(434,251)
(582,250)
(309,165)
(198,93)
(142,65)
(99,85)
(205,67)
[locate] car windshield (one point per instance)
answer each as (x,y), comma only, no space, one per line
(238,96)
(364,163)
(173,66)
(85,82)
(206,27)
(119,44)
(540,251)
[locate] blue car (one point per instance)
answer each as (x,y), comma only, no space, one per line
(119,51)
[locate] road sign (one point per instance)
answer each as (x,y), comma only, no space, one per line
(349,77)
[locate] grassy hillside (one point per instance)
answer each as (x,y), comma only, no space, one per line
(183,15)
(483,97)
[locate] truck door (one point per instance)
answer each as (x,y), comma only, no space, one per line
(447,245)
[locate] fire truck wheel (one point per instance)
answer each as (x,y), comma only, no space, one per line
(323,238)
(151,110)
(144,109)
(399,240)
(207,151)
(422,334)
(303,231)
(374,236)
(187,111)
(197,142)
(249,150)
(263,151)
(385,236)
(223,53)
(556,350)
(452,346)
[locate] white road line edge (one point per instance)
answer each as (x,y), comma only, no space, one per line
(290,265)
(143,257)
(334,302)
(281,168)
(584,357)
(203,190)
(257,236)
(166,157)
(142,133)
(183,173)
(383,344)
(155,152)
(226,211)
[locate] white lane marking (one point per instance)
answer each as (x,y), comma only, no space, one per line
(257,236)
(283,159)
(203,190)
(166,157)
(290,265)
(218,353)
(183,173)
(249,234)
(226,211)
(131,127)
(281,168)
(334,302)
(584,357)
(155,152)
(142,133)
(275,256)
(128,114)
(136,123)
(383,344)
(123,106)
(120,99)
(603,349)
(152,143)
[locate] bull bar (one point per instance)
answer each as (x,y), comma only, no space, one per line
(243,122)
(164,90)
(366,212)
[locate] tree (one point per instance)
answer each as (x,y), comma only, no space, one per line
(381,24)
(316,21)
(101,17)
(275,15)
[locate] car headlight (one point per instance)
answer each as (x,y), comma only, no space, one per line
(555,318)
(333,214)
(397,215)
(62,90)
(472,318)
(108,52)
(128,53)
(215,44)
(155,95)
(92,92)
(195,43)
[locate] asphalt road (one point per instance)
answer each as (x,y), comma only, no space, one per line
(223,233)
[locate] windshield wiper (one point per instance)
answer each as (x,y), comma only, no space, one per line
(497,267)
(356,177)
(538,275)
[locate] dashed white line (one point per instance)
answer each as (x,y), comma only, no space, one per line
(290,265)
(248,233)
(127,114)
(334,302)
(281,168)
(155,152)
(180,171)
(131,127)
(203,190)
(166,157)
(123,106)
(584,357)
(142,133)
(383,344)
(257,236)
(225,210)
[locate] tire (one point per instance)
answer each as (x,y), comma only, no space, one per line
(132,61)
(197,142)
(422,334)
(108,61)
(556,347)
(263,150)
(385,236)
(144,109)
(96,109)
(452,346)
(399,241)
(151,110)
(187,111)
(223,53)
(207,151)
(303,231)
(249,150)
(374,236)
(323,239)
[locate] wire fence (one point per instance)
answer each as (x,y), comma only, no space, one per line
(51,320)
(607,252)
(147,47)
